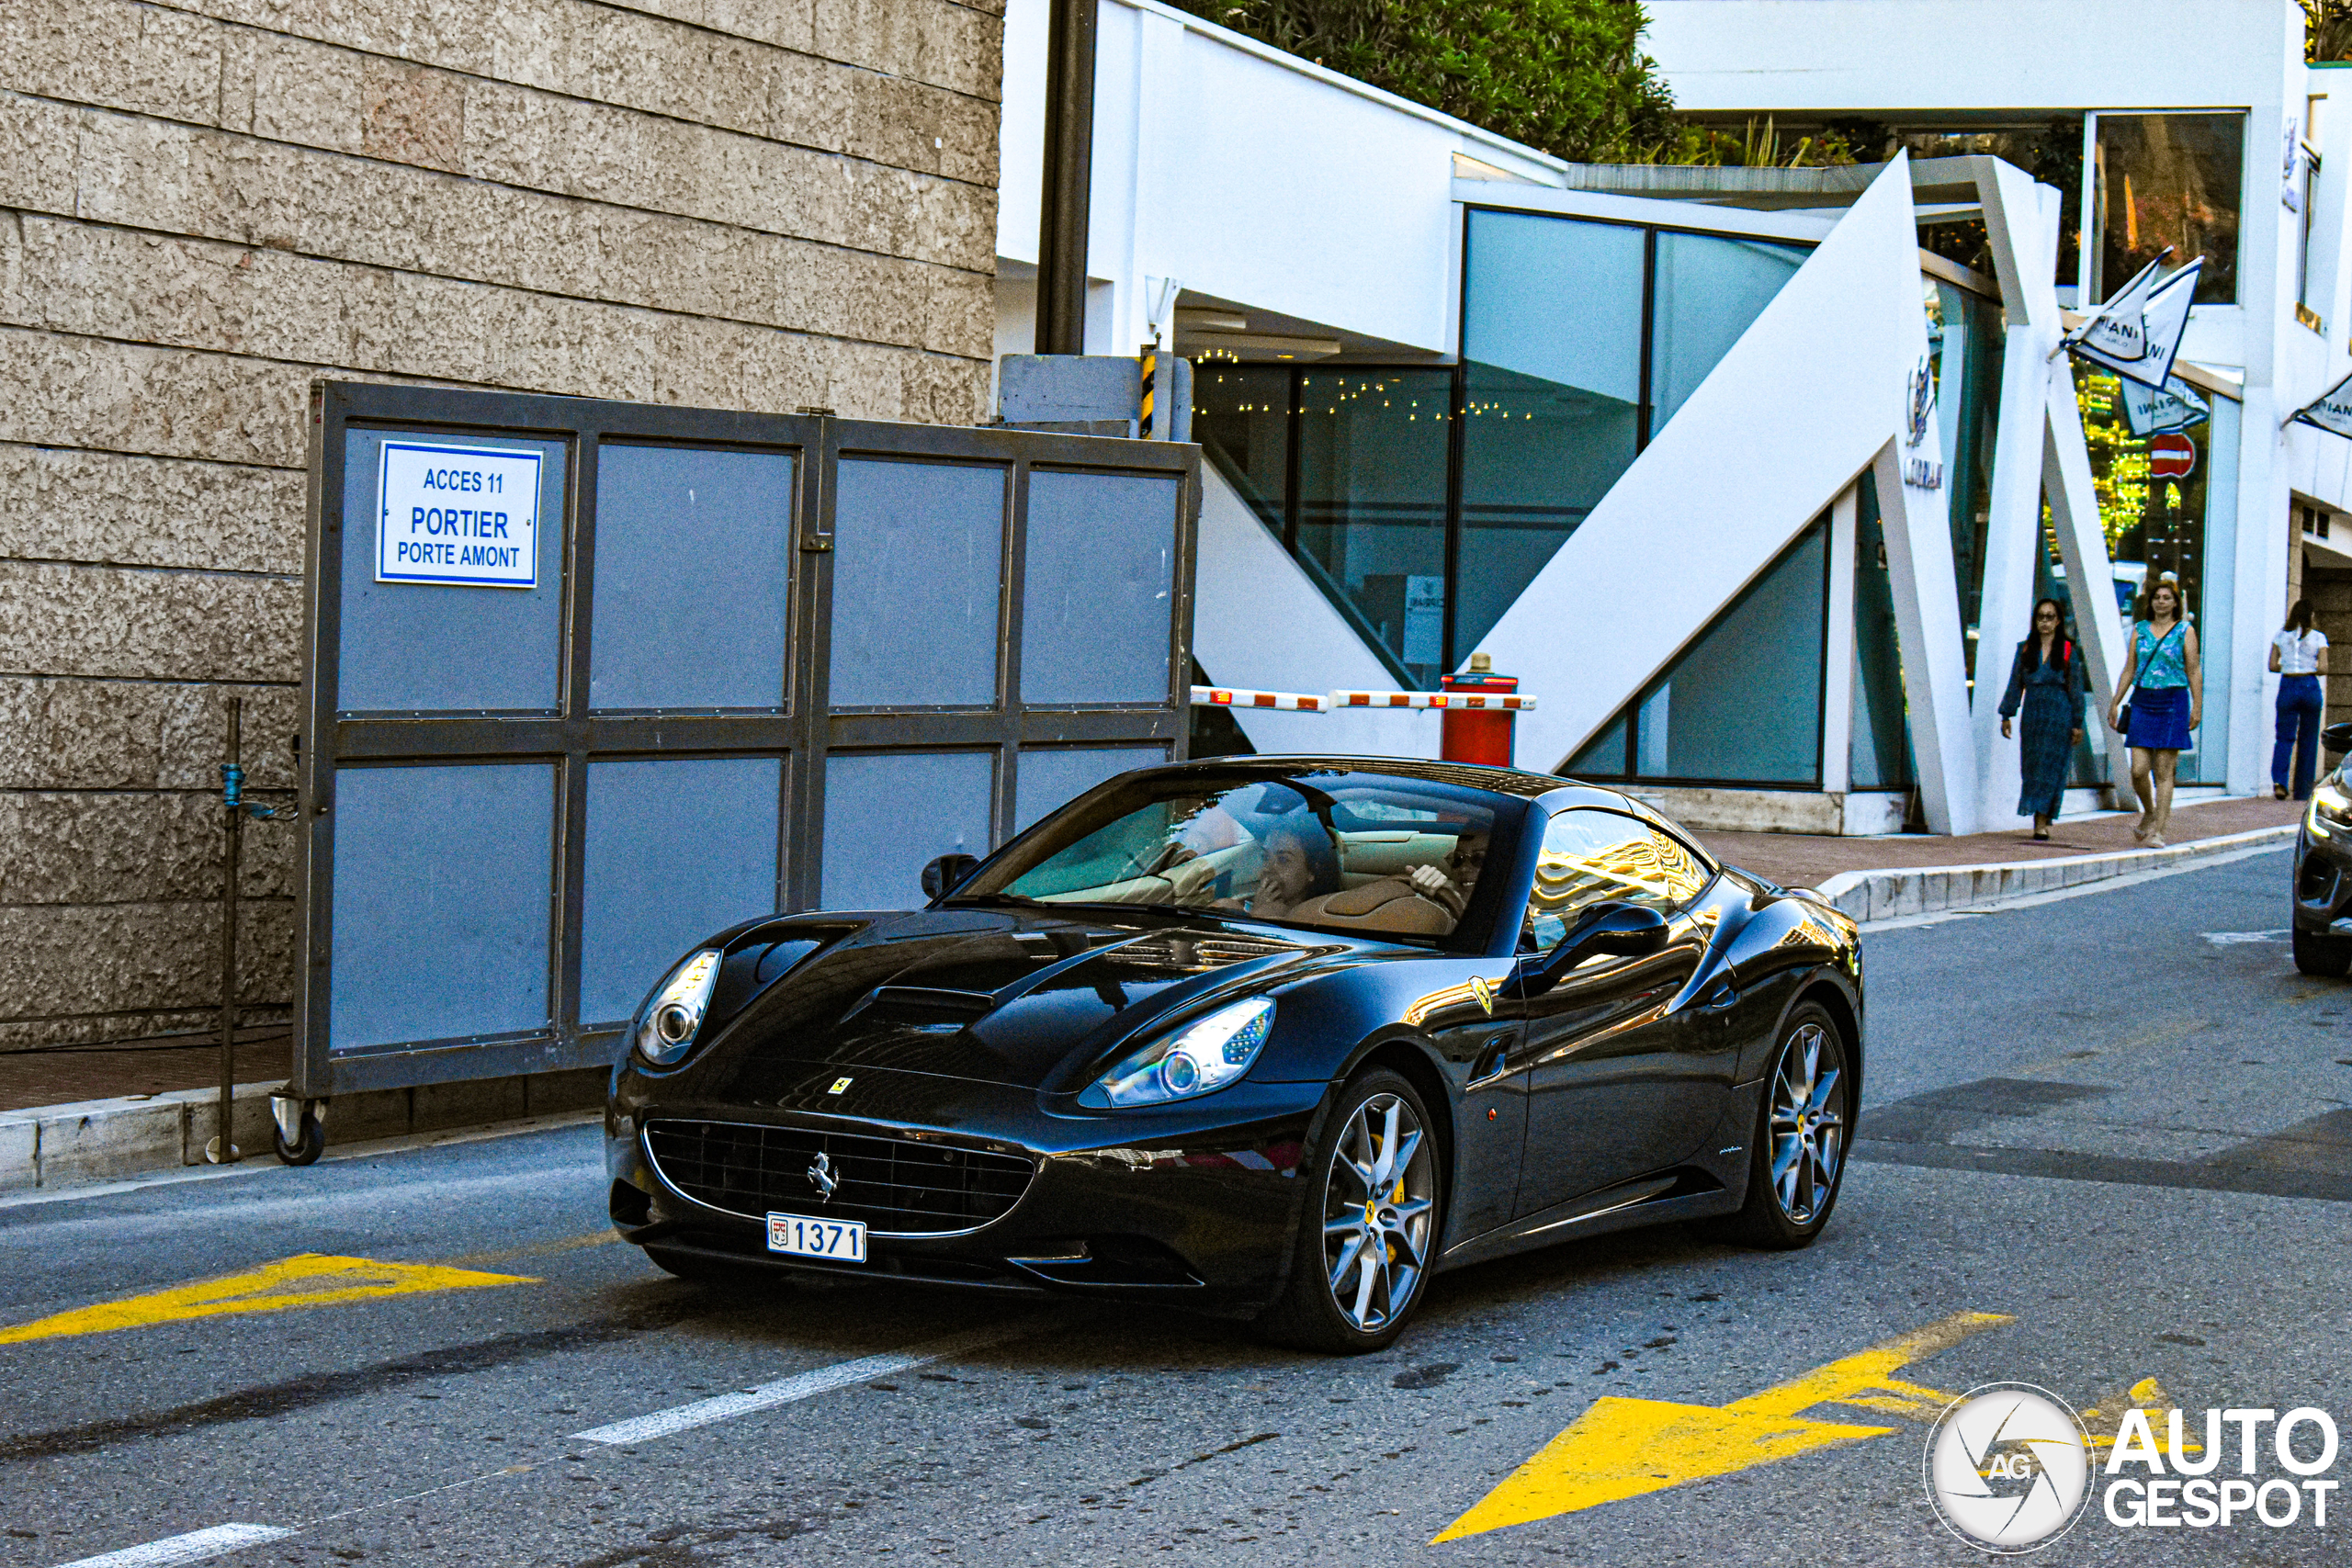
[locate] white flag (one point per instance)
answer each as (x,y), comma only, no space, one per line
(2331,410)
(2137,333)
(2173,406)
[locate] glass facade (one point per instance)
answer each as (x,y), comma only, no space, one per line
(1964,351)
(1742,703)
(2167,179)
(2049,150)
(1551,318)
(2169,521)
(1372,449)
(1878,747)
(1424,500)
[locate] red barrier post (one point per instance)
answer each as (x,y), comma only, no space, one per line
(1476,734)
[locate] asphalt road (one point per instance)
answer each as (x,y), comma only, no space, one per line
(2130,1140)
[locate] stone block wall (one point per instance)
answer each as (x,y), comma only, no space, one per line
(207,204)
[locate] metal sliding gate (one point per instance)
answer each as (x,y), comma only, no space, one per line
(588,681)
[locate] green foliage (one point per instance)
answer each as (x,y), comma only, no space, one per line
(2327,30)
(1567,77)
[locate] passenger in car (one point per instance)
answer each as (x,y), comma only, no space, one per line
(1425,901)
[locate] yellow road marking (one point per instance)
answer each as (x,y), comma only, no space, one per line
(542,1249)
(307,1280)
(1625,1448)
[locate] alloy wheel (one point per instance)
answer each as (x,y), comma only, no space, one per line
(1808,1125)
(1379,1204)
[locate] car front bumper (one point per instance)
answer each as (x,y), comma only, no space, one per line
(1194,1204)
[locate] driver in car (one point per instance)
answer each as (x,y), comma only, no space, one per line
(1427,898)
(1299,864)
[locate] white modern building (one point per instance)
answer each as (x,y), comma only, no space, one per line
(1737,469)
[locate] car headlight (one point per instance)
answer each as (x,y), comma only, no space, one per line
(672,1016)
(2330,805)
(1199,1059)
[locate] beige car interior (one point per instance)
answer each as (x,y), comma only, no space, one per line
(1374,895)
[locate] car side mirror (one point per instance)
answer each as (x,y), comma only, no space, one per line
(946,873)
(2337,738)
(1624,930)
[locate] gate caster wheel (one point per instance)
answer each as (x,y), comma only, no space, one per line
(310,1139)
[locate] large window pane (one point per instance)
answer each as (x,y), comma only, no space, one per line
(1878,752)
(2051,150)
(1710,290)
(1552,343)
(1372,503)
(1241,418)
(2155,525)
(2168,179)
(1964,351)
(1743,704)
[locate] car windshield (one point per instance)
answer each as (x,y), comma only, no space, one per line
(1356,852)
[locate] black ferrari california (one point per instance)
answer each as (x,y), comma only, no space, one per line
(1271,1038)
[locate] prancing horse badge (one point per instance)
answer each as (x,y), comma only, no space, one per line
(821,1176)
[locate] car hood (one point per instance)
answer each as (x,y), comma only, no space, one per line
(992,996)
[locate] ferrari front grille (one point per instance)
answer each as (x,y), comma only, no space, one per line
(895,1184)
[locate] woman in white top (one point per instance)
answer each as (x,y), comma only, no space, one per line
(2299,658)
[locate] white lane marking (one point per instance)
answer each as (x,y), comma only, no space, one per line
(800,1385)
(193,1547)
(2230,939)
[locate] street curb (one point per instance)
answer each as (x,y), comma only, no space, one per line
(46,1147)
(1897,892)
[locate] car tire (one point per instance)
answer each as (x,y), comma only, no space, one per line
(1342,1296)
(2326,955)
(702,1270)
(1805,1119)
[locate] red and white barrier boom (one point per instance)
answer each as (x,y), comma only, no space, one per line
(1329,701)
(1476,704)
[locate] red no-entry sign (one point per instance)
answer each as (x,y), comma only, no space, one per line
(2171,456)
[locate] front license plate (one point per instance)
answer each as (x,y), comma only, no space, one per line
(843,1241)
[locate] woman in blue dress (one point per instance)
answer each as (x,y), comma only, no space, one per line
(2047,676)
(2165,695)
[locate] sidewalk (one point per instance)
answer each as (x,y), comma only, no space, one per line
(1913,873)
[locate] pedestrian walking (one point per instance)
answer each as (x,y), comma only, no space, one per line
(2160,707)
(2047,678)
(2299,658)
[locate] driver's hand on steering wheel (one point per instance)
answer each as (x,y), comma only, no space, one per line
(1437,888)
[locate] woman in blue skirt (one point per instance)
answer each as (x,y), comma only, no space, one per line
(2047,677)
(2163,699)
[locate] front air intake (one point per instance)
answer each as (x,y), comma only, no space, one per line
(894,1184)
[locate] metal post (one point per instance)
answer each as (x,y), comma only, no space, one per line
(222,1150)
(1066,192)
